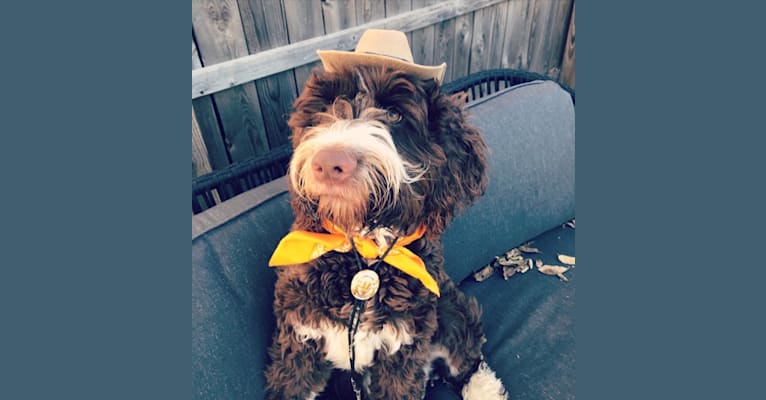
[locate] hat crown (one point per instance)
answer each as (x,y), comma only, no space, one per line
(385,43)
(381,47)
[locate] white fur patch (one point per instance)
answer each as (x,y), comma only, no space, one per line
(370,141)
(391,338)
(484,385)
(439,351)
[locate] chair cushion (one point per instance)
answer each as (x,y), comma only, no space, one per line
(530,130)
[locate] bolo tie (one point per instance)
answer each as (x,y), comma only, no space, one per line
(364,285)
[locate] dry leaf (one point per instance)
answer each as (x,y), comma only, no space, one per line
(522,268)
(530,263)
(562,277)
(567,259)
(513,253)
(508,272)
(538,263)
(552,269)
(507,262)
(525,248)
(483,273)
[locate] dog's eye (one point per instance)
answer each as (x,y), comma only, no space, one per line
(392,115)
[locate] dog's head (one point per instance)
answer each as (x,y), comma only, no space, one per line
(379,147)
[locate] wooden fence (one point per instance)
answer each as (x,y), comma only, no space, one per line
(250,58)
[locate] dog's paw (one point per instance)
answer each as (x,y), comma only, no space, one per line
(484,385)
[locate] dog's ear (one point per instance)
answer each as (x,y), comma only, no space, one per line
(460,174)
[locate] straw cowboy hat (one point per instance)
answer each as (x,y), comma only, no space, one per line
(381,47)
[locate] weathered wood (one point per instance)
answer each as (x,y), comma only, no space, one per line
(235,72)
(304,21)
(196,63)
(516,37)
(207,122)
(396,7)
(220,37)
(444,41)
(568,60)
(422,42)
(461,54)
(497,38)
(546,39)
(200,163)
(338,15)
(370,10)
(488,35)
(265,28)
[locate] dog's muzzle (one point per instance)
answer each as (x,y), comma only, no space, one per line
(348,154)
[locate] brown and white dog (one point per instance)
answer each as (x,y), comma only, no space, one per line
(381,154)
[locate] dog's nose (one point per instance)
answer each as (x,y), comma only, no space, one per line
(333,165)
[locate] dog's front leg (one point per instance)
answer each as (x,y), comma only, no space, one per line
(401,375)
(459,341)
(298,369)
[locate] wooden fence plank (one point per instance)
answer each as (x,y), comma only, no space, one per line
(461,51)
(568,60)
(497,39)
(338,15)
(265,28)
(444,41)
(547,36)
(422,42)
(220,37)
(396,7)
(232,73)
(488,35)
(369,10)
(207,122)
(516,37)
(304,21)
(200,163)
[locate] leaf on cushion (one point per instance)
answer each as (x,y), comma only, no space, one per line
(552,269)
(567,259)
(508,262)
(513,253)
(556,270)
(483,273)
(508,272)
(526,248)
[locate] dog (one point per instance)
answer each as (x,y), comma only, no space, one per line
(382,161)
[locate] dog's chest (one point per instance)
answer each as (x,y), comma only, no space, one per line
(367,341)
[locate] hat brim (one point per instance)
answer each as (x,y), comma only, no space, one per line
(334,60)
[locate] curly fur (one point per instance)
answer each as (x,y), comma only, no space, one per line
(443,169)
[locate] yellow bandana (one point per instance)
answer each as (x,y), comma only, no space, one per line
(300,247)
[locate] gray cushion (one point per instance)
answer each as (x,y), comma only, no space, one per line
(530,130)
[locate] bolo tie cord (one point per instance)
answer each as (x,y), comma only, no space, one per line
(356,316)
